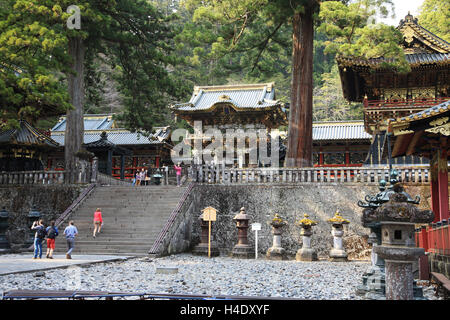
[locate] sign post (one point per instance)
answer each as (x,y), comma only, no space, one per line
(256,227)
(209,214)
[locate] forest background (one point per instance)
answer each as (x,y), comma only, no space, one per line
(198,58)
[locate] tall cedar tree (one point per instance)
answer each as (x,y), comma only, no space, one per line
(238,17)
(132,32)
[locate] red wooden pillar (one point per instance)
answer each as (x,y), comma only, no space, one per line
(320,157)
(347,158)
(434,188)
(443,185)
(424,238)
(157,162)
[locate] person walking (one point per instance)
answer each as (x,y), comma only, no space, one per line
(52,233)
(98,221)
(70,232)
(178,173)
(138,177)
(39,237)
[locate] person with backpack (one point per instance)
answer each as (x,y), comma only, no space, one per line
(52,233)
(39,237)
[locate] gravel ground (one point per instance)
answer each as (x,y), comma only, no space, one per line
(320,280)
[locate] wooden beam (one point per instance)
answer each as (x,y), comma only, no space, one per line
(413,143)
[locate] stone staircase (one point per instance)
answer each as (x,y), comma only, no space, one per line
(133,217)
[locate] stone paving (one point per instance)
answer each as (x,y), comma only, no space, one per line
(188,274)
(20,263)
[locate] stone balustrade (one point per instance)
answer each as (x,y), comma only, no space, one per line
(324,175)
(37,177)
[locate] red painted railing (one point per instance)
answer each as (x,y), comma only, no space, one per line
(434,238)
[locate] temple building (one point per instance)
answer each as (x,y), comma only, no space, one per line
(340,144)
(121,152)
(242,106)
(233,106)
(25,148)
(387,94)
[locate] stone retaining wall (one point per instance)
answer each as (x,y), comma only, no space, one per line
(291,202)
(50,201)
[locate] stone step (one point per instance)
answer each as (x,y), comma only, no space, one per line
(134,217)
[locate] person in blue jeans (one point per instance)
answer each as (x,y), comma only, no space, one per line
(70,232)
(39,237)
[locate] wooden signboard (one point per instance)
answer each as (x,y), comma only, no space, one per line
(209,214)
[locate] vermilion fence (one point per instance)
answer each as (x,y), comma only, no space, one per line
(434,238)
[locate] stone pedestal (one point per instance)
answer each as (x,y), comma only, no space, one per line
(276,252)
(202,248)
(242,249)
(337,253)
(399,273)
(306,253)
(4,215)
(373,280)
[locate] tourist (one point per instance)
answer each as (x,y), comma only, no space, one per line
(70,232)
(52,233)
(98,221)
(178,173)
(39,237)
(138,177)
(142,176)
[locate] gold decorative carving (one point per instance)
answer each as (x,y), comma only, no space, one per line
(395,94)
(400,130)
(439,122)
(444,130)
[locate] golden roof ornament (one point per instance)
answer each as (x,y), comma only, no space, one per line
(338,219)
(306,222)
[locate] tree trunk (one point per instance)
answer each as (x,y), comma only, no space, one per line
(299,150)
(74,121)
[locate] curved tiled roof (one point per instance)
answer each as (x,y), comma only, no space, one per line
(434,110)
(339,130)
(120,136)
(26,135)
(240,97)
(91,122)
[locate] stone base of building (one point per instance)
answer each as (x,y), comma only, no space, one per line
(202,250)
(276,253)
(243,252)
(306,254)
(337,255)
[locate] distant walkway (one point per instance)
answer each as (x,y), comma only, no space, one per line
(20,263)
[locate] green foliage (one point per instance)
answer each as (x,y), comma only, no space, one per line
(434,15)
(31,85)
(354,34)
(329,103)
(133,35)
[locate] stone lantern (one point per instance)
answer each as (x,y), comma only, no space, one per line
(33,215)
(338,252)
(276,252)
(202,248)
(4,216)
(242,249)
(397,219)
(306,253)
